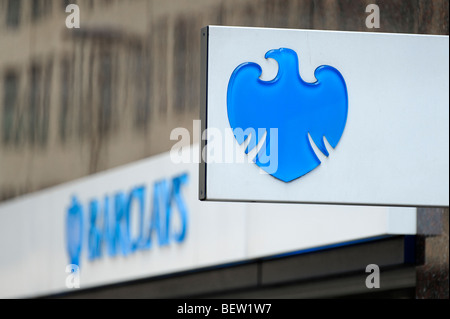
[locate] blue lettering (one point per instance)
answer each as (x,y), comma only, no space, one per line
(160,203)
(95,236)
(122,229)
(137,194)
(74,231)
(180,203)
(111,229)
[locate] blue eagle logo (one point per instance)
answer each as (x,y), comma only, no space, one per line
(296,108)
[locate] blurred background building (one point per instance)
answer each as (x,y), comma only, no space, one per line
(74,102)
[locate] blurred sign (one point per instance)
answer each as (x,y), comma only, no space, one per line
(157,226)
(108,223)
(325,117)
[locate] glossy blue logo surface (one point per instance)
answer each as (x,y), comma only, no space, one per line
(291,105)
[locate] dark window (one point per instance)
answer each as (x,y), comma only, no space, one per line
(35,9)
(65,3)
(158,54)
(43,125)
(34,106)
(40,8)
(65,99)
(105,86)
(185,63)
(180,63)
(39,100)
(141,86)
(9,105)
(13,13)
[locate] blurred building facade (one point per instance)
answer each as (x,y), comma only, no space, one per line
(74,102)
(78,101)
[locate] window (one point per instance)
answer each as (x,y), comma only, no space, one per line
(39,100)
(186,69)
(34,103)
(180,63)
(40,8)
(11,83)
(65,3)
(141,86)
(159,59)
(105,87)
(65,99)
(43,126)
(13,13)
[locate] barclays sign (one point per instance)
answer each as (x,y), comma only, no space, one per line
(104,226)
(337,112)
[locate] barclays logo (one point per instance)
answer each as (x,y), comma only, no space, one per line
(297,109)
(104,226)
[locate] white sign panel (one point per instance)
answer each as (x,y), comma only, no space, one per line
(145,220)
(326,117)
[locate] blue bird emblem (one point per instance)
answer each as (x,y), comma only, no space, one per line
(296,108)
